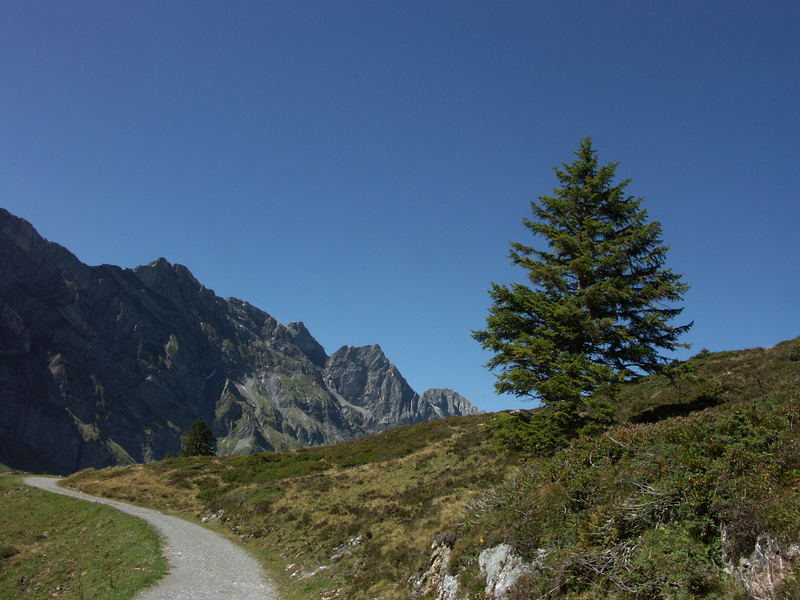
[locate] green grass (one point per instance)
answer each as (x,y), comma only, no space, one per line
(57,547)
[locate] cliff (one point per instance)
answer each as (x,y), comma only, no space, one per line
(104,365)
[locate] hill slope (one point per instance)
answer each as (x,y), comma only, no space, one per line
(104,365)
(693,493)
(66,548)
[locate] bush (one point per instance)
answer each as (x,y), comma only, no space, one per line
(542,431)
(639,511)
(7,551)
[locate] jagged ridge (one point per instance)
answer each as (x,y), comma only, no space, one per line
(105,365)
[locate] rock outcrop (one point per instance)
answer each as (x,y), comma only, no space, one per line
(438,403)
(500,568)
(436,581)
(104,365)
(763,572)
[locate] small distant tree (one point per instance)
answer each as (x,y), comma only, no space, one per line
(599,303)
(198,441)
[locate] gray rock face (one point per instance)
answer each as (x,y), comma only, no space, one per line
(438,403)
(104,365)
(366,379)
(435,581)
(502,568)
(763,572)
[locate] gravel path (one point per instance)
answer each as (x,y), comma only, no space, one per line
(203,564)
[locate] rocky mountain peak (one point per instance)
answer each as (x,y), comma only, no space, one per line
(160,271)
(17,230)
(445,402)
(104,365)
(371,356)
(303,339)
(173,281)
(360,373)
(23,249)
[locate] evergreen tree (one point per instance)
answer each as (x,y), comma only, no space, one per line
(600,300)
(198,441)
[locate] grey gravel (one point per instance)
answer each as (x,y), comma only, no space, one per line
(203,564)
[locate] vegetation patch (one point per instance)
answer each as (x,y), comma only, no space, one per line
(365,511)
(639,510)
(634,508)
(66,548)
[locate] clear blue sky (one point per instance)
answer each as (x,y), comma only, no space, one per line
(362,166)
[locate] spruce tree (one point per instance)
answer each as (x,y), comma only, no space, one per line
(600,300)
(198,441)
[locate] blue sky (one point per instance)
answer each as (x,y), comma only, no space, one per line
(362,166)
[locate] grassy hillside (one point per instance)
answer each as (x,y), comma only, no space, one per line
(636,511)
(387,495)
(57,547)
(640,510)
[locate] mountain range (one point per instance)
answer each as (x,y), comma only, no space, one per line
(103,365)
